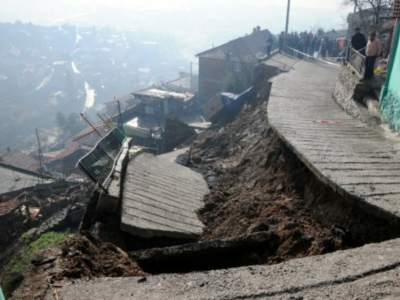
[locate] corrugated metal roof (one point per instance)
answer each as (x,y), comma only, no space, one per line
(163,94)
(246,48)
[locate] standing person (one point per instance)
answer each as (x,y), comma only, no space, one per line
(373,51)
(282,41)
(359,41)
(269,43)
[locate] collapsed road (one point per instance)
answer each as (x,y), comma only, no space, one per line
(264,207)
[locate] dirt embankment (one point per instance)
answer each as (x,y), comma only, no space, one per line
(258,185)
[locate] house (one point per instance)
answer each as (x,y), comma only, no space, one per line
(186,83)
(160,103)
(365,19)
(390,97)
(233,60)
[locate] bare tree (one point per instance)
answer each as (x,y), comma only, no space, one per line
(376,7)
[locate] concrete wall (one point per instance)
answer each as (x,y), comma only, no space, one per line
(211,77)
(390,100)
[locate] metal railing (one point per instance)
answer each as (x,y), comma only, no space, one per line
(302,55)
(356,60)
(99,163)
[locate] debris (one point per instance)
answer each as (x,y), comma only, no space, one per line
(255,183)
(86,257)
(176,133)
(208,255)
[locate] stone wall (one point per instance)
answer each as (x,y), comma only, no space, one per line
(345,92)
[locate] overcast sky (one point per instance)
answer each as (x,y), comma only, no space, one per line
(203,21)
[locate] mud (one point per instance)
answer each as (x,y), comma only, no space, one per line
(81,257)
(57,206)
(257,184)
(208,255)
(86,257)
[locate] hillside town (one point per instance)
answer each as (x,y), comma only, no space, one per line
(271,170)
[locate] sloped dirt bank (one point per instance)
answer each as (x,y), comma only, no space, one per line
(264,205)
(257,184)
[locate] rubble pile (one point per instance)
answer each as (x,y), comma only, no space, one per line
(80,257)
(85,257)
(257,185)
(55,206)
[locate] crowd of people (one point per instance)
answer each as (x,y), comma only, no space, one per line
(314,44)
(321,45)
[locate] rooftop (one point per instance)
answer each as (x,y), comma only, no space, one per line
(246,48)
(12,180)
(20,160)
(164,95)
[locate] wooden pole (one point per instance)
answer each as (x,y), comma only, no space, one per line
(91,125)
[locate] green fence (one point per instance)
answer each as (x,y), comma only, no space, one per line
(390,98)
(99,163)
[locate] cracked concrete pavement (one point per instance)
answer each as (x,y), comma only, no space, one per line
(370,272)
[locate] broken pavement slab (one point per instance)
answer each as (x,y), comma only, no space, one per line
(161,198)
(333,145)
(368,272)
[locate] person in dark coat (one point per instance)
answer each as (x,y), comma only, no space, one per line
(268,45)
(359,41)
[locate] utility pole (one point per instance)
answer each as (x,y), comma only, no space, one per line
(287,24)
(40,154)
(191,76)
(120,125)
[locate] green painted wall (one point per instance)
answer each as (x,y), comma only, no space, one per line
(390,100)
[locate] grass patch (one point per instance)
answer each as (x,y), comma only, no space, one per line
(21,261)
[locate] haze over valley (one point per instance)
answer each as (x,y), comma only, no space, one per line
(66,69)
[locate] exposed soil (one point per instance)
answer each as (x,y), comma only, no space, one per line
(264,207)
(258,185)
(86,257)
(81,257)
(49,207)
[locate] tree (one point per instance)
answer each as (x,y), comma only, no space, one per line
(61,120)
(74,123)
(376,7)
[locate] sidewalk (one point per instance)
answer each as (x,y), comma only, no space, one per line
(344,153)
(370,272)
